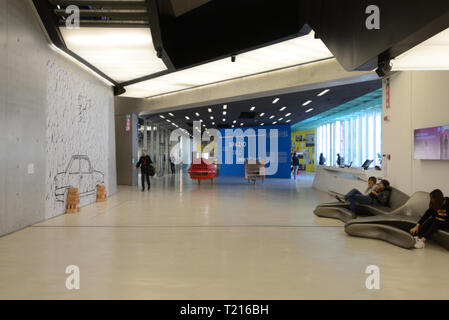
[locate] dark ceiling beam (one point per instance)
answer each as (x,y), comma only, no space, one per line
(110,23)
(403,25)
(141,14)
(155,28)
(127,3)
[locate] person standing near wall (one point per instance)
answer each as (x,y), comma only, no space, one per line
(145,164)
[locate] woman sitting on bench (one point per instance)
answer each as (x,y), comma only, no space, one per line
(433,219)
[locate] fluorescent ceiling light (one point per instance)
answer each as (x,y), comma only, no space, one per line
(197,114)
(432,54)
(309,110)
(162,116)
(283,108)
(276,100)
(288,114)
(280,119)
(121,53)
(262,114)
(284,54)
(271,117)
(307,102)
(274,122)
(252,108)
(288,121)
(171,114)
(323,92)
(187,118)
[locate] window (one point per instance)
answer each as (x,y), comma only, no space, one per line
(356,138)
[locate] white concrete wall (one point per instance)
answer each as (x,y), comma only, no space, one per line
(419,99)
(24,82)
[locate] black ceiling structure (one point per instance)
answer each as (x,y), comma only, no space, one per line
(240,111)
(189,33)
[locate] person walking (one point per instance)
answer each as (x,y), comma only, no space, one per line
(295,164)
(145,163)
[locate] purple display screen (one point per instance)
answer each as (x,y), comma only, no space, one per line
(431,143)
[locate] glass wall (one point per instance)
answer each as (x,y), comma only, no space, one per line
(355,137)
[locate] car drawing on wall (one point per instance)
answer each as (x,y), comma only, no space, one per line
(78,174)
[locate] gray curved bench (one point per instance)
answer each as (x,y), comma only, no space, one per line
(394,227)
(340,211)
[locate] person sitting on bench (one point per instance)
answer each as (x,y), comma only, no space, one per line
(380,195)
(433,219)
(371,186)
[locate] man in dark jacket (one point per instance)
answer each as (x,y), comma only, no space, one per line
(380,195)
(144,164)
(295,165)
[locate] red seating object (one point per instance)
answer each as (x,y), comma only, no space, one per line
(203,170)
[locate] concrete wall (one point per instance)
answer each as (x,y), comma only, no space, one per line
(419,99)
(25,54)
(127,150)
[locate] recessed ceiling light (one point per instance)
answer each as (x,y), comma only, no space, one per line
(309,110)
(241,124)
(187,118)
(162,116)
(210,110)
(224,120)
(288,121)
(274,122)
(171,114)
(253,108)
(233,126)
(225,106)
(212,117)
(168,120)
(307,102)
(280,119)
(276,100)
(283,108)
(288,114)
(224,113)
(262,114)
(204,125)
(197,114)
(213,123)
(271,117)
(201,120)
(323,92)
(235,121)
(262,124)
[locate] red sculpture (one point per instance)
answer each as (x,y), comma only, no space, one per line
(202,170)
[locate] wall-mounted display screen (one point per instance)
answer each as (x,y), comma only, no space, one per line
(432,143)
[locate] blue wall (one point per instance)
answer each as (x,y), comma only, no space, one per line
(284,151)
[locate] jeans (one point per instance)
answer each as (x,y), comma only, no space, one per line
(352,193)
(356,197)
(429,227)
(145,176)
(295,171)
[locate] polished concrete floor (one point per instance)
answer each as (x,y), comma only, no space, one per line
(227,240)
